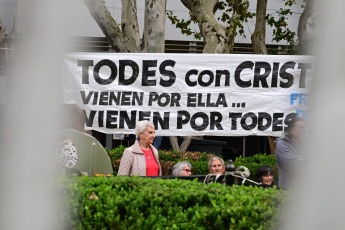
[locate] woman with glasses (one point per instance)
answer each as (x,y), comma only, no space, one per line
(182,168)
(264,175)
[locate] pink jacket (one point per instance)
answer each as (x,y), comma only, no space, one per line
(133,161)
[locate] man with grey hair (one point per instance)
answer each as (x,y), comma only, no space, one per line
(182,168)
(216,165)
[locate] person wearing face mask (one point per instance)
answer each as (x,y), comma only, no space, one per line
(288,152)
(182,168)
(141,159)
(264,176)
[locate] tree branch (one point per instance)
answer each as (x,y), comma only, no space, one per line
(106,22)
(214,33)
(302,24)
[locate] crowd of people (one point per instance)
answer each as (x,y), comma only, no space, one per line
(142,158)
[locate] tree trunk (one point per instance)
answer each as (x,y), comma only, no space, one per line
(108,25)
(214,34)
(184,145)
(232,30)
(302,26)
(272,144)
(154,28)
(129,22)
(259,34)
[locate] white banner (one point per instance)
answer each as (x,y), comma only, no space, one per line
(188,94)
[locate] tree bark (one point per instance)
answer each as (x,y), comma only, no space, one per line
(214,34)
(302,26)
(232,29)
(184,145)
(129,22)
(259,34)
(108,25)
(154,28)
(272,144)
(128,39)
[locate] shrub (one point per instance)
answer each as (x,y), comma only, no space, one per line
(146,203)
(190,156)
(115,157)
(254,162)
(198,160)
(167,160)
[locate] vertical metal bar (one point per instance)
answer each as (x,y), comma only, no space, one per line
(192,47)
(244,147)
(265,145)
(109,141)
(91,157)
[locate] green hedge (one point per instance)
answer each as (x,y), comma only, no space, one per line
(115,157)
(167,160)
(199,161)
(146,203)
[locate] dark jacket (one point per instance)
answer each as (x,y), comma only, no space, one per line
(288,158)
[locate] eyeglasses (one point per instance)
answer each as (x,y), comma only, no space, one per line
(187,170)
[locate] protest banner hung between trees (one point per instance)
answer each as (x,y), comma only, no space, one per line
(188,95)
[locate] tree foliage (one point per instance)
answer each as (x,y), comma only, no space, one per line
(233,11)
(235,14)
